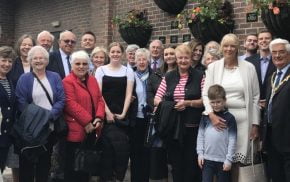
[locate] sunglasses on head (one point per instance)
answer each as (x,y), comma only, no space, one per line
(69,41)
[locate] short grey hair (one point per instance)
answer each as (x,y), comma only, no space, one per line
(142,52)
(45,32)
(35,49)
(62,33)
(213,52)
(280,41)
(157,40)
(79,55)
(132,47)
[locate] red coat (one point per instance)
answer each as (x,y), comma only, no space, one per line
(78,107)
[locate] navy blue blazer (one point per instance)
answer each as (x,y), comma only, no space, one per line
(24,92)
(55,63)
(255,60)
(8,109)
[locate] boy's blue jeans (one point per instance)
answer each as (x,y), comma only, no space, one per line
(211,169)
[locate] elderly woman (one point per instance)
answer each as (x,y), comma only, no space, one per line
(21,64)
(210,56)
(130,55)
(7,105)
(182,107)
(139,153)
(39,87)
(197,49)
(84,111)
(99,58)
(211,45)
(116,83)
(240,81)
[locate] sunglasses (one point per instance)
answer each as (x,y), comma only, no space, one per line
(69,41)
(84,64)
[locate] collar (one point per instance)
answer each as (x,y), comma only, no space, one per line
(284,70)
(268,58)
(63,54)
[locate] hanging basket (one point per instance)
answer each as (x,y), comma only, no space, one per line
(210,29)
(136,35)
(171,6)
(278,25)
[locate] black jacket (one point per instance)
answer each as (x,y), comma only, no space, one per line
(8,109)
(55,63)
(153,83)
(190,115)
(32,127)
(280,137)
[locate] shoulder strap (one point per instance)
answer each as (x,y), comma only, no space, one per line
(46,92)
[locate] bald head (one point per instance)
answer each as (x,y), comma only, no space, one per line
(45,39)
(67,42)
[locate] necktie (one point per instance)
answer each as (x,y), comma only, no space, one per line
(278,78)
(154,65)
(68,63)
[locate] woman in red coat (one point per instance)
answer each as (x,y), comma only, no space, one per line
(84,110)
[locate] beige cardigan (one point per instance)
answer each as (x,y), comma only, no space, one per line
(214,75)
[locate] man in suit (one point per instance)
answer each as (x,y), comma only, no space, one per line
(277,141)
(45,39)
(251,46)
(59,61)
(263,64)
(156,51)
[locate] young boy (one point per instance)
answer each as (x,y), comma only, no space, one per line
(216,148)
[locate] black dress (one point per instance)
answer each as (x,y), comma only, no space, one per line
(116,147)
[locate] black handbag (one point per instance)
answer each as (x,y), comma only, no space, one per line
(88,156)
(60,126)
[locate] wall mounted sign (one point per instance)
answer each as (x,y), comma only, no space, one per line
(174,24)
(252,17)
(162,39)
(186,38)
(173,39)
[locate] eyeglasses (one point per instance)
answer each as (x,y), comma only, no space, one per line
(84,64)
(69,41)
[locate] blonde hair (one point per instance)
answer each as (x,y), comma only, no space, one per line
(184,49)
(230,39)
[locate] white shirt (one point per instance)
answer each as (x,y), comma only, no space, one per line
(64,62)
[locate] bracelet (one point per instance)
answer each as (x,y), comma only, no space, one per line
(191,103)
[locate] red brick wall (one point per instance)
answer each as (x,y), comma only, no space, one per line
(33,16)
(6,22)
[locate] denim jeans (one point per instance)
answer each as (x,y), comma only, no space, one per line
(211,169)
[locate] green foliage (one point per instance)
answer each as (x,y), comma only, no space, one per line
(133,18)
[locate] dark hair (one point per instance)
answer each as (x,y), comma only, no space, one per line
(7,52)
(90,33)
(115,44)
(193,44)
(265,31)
(216,92)
(164,66)
(19,42)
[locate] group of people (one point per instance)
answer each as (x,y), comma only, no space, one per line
(194,107)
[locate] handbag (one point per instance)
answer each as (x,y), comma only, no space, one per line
(255,172)
(60,126)
(88,156)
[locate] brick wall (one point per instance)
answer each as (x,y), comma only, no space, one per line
(6,22)
(33,16)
